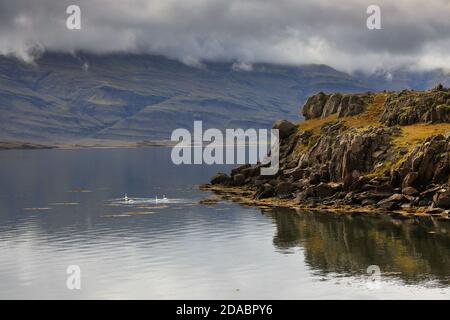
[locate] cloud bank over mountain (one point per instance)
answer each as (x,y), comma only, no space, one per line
(414,34)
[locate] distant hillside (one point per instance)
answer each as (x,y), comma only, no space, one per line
(66,97)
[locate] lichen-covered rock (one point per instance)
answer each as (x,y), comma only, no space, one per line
(323,105)
(409,107)
(428,163)
(348,155)
(352,104)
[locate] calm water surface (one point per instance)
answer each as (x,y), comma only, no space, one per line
(63,207)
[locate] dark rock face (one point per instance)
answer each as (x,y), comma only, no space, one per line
(334,171)
(332,105)
(284,189)
(238,179)
(442,198)
(344,157)
(409,107)
(323,105)
(428,163)
(410,191)
(265,191)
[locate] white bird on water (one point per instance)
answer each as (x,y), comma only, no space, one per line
(125,198)
(164,199)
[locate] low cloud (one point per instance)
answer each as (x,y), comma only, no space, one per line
(414,34)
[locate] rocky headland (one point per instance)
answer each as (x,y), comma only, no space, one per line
(386,152)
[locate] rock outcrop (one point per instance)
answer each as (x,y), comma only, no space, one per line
(322,105)
(345,164)
(409,107)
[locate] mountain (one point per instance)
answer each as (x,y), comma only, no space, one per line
(67,97)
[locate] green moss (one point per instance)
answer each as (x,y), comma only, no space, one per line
(312,141)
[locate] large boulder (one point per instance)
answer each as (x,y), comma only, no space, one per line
(323,105)
(324,190)
(394,201)
(410,191)
(220,178)
(442,199)
(313,108)
(410,179)
(284,189)
(238,179)
(332,105)
(285,128)
(352,104)
(265,191)
(428,163)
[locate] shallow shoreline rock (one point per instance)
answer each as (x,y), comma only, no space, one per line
(245,196)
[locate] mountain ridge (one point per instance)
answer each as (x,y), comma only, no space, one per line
(67,97)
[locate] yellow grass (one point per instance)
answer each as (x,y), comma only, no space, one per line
(410,135)
(371,117)
(415,133)
(315,124)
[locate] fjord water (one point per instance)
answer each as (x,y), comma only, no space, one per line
(64,207)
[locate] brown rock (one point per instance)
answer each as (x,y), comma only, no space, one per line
(239,169)
(410,191)
(265,191)
(313,108)
(238,179)
(285,128)
(323,190)
(442,199)
(220,178)
(332,105)
(284,188)
(410,179)
(393,202)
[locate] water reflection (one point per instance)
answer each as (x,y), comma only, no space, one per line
(65,207)
(414,250)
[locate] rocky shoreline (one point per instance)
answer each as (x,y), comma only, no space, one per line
(386,152)
(20,145)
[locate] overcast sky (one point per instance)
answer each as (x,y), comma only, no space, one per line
(415,33)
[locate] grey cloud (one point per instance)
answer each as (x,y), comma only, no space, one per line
(415,33)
